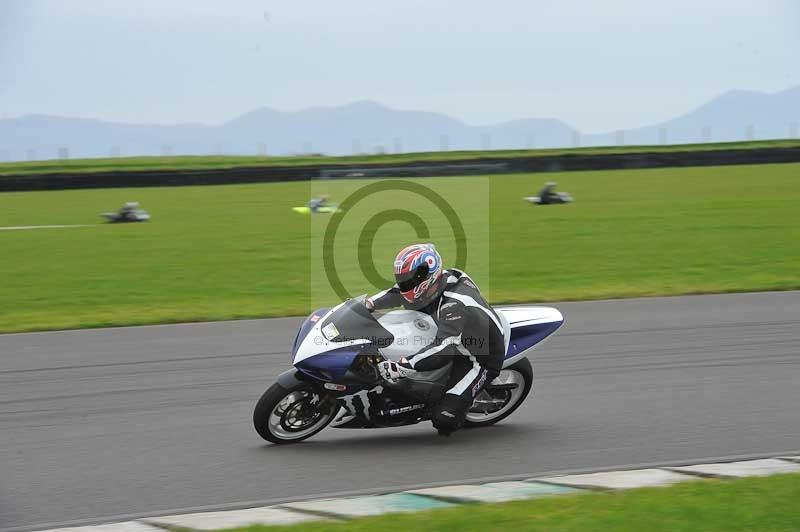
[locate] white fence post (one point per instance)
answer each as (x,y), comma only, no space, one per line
(486,141)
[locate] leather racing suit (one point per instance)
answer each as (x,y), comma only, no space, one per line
(469,334)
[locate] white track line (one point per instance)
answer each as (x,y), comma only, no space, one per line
(24,227)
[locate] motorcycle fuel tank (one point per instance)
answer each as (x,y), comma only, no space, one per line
(412,331)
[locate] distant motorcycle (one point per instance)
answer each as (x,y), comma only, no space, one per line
(335,380)
(555,199)
(130,212)
(325,209)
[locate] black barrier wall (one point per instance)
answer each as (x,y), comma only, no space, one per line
(553,163)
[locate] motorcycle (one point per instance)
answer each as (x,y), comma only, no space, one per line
(130,212)
(325,209)
(335,380)
(557,198)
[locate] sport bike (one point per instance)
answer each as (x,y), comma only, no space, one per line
(335,380)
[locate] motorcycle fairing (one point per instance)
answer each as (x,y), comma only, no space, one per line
(525,327)
(529,327)
(306,327)
(330,366)
(316,341)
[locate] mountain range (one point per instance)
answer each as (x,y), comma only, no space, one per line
(369,127)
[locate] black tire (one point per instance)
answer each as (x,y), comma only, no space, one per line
(269,401)
(525,368)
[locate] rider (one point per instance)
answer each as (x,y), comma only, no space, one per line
(469,332)
(128,211)
(315,204)
(548,194)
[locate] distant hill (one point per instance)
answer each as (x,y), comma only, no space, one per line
(725,118)
(368,126)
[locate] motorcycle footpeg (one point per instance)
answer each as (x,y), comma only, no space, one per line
(510,386)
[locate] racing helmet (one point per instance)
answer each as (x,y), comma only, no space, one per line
(418,272)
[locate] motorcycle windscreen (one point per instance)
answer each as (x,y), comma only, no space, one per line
(306,327)
(352,321)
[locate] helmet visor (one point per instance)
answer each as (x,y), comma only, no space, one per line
(409,281)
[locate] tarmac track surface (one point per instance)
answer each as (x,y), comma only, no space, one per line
(133,421)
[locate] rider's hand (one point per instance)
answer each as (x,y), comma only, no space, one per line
(369,304)
(393,371)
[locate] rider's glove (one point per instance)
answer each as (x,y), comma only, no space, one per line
(394,371)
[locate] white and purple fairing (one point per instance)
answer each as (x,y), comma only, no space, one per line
(317,356)
(528,327)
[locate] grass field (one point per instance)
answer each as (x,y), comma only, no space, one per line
(238,251)
(220,162)
(755,504)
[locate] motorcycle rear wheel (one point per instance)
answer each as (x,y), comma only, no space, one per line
(520,373)
(290,415)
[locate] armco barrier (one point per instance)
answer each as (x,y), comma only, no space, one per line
(549,163)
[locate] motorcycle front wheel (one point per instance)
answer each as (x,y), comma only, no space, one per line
(290,415)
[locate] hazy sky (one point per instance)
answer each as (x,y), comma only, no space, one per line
(598,65)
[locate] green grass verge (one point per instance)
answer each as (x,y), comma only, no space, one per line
(752,504)
(222,162)
(225,252)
